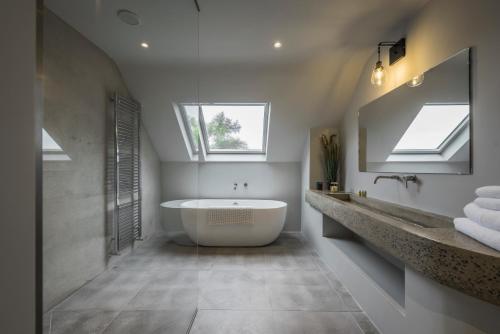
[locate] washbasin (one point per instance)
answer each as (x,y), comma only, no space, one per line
(346,197)
(400,213)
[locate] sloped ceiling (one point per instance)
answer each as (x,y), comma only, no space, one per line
(225,54)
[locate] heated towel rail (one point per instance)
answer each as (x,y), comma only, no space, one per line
(127,224)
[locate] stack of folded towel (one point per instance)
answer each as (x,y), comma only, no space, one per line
(483,217)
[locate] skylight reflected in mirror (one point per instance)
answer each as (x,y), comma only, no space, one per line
(433,127)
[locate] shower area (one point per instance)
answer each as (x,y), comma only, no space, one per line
(108,266)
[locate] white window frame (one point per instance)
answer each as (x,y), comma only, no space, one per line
(204,133)
(195,149)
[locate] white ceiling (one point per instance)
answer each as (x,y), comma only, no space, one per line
(309,81)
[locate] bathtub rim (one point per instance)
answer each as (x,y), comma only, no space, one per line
(277,204)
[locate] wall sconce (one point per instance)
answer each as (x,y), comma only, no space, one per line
(396,52)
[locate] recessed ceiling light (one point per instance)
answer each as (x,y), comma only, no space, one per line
(145,45)
(128,17)
(277,45)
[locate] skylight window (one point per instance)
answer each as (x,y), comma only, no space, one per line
(227,128)
(433,128)
(51,150)
(49,144)
(192,125)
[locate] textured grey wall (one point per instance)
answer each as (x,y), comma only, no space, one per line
(78,80)
(18,143)
(277,180)
(461,24)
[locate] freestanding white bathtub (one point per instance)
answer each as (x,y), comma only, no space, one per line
(233,222)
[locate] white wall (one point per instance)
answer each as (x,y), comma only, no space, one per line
(302,96)
(278,181)
(19,142)
(441,29)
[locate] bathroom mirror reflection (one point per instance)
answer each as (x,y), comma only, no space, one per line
(421,127)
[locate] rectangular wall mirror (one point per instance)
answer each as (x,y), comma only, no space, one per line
(421,129)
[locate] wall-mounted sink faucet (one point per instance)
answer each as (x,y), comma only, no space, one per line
(390,177)
(405,179)
(409,178)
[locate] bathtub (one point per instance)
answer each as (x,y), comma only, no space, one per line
(233,222)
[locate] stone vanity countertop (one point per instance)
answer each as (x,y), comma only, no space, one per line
(439,252)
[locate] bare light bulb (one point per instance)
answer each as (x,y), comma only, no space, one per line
(378,74)
(277,45)
(145,45)
(416,80)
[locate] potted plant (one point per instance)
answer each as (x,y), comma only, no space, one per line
(331,159)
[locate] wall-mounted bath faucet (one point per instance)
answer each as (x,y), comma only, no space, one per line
(235,186)
(390,177)
(245,185)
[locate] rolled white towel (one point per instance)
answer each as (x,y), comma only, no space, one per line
(488,192)
(488,203)
(484,217)
(482,234)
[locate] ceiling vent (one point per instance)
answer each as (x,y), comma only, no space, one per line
(128,17)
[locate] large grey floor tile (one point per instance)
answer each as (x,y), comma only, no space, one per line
(234,298)
(232,322)
(176,262)
(232,278)
(304,297)
(292,260)
(151,322)
(229,259)
(173,298)
(77,322)
(175,278)
(257,261)
(296,277)
(300,322)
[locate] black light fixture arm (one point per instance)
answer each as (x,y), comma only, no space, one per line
(382,44)
(396,52)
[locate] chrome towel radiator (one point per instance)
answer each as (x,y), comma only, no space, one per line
(127,222)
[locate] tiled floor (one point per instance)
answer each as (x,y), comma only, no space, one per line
(160,286)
